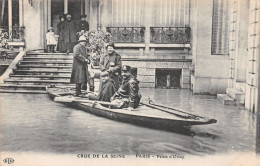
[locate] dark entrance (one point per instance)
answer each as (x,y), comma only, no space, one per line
(57,8)
(168,78)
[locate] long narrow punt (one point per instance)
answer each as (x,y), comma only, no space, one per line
(146,114)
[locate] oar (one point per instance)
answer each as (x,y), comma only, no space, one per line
(70,100)
(169,112)
(160,105)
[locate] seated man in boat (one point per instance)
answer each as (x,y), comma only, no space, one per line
(107,91)
(128,95)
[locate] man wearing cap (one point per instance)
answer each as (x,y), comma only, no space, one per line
(61,32)
(81,60)
(111,63)
(83,24)
(107,91)
(128,95)
(70,37)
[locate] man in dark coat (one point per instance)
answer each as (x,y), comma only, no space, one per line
(128,95)
(111,63)
(70,37)
(61,32)
(83,24)
(81,60)
(107,91)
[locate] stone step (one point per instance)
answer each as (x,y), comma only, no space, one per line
(49,56)
(40,77)
(36,67)
(241,86)
(225,99)
(22,87)
(35,82)
(23,91)
(46,58)
(45,53)
(43,72)
(236,95)
(48,62)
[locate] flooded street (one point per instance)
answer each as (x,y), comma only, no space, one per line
(34,123)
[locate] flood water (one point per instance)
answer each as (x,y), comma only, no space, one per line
(34,123)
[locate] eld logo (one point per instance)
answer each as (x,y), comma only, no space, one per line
(8,160)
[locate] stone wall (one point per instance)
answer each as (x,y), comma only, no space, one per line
(146,70)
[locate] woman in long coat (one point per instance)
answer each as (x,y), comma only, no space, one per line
(61,32)
(79,73)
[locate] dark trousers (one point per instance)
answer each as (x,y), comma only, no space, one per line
(50,48)
(78,89)
(90,83)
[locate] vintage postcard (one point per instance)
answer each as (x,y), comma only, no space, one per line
(129,82)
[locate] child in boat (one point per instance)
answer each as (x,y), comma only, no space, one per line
(107,91)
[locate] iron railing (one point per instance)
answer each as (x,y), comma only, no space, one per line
(127,34)
(170,35)
(14,33)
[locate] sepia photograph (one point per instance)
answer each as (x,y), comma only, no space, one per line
(129,82)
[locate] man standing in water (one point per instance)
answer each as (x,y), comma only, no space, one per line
(111,63)
(81,60)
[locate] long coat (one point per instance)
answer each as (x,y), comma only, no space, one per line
(83,25)
(79,72)
(61,32)
(70,32)
(115,71)
(107,91)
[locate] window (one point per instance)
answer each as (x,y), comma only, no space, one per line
(220,27)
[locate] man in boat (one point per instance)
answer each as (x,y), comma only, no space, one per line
(81,60)
(128,95)
(107,91)
(111,63)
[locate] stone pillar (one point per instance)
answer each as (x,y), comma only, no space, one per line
(49,13)
(21,13)
(66,6)
(87,9)
(148,22)
(81,7)
(10,23)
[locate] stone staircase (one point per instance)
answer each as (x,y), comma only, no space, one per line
(38,70)
(234,96)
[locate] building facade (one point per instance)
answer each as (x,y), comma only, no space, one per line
(206,46)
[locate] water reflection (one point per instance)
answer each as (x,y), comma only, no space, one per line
(35,123)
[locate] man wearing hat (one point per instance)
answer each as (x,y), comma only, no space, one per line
(79,74)
(107,91)
(61,32)
(128,94)
(83,24)
(111,63)
(70,37)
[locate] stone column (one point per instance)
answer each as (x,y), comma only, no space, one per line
(81,7)
(87,9)
(10,23)
(21,13)
(49,13)
(66,6)
(148,13)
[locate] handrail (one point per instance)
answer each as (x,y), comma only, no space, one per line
(12,66)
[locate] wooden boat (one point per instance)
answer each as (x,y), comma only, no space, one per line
(147,114)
